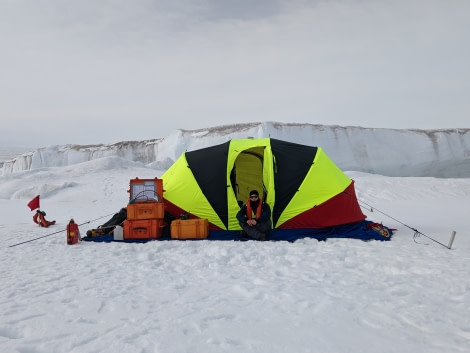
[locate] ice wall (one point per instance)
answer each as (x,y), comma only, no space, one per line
(437,153)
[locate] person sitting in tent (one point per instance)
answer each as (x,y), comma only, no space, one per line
(255,217)
(40,220)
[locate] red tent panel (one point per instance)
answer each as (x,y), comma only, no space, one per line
(340,209)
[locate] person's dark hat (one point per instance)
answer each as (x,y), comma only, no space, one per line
(254,192)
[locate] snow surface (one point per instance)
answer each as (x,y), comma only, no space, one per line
(340,295)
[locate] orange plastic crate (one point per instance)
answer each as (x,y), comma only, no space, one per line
(146,189)
(145,210)
(189,229)
(143,229)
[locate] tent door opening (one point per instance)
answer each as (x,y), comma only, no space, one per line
(247,174)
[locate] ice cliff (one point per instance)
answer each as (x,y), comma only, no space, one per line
(435,153)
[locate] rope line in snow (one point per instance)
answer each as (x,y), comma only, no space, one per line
(417,233)
(60,231)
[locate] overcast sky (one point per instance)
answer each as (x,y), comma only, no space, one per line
(95,71)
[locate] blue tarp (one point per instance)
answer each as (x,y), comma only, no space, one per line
(365,230)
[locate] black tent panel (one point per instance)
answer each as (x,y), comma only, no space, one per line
(209,167)
(292,162)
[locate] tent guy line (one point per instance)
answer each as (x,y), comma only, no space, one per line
(417,233)
(59,231)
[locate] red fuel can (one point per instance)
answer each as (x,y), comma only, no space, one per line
(73,233)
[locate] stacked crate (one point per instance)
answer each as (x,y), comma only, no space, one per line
(145,211)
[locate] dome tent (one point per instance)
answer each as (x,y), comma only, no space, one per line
(308,194)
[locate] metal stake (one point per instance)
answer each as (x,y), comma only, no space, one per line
(451,240)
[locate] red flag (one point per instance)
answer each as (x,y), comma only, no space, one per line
(34,203)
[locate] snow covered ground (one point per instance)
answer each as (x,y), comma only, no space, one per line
(341,295)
